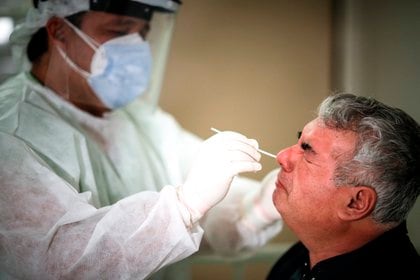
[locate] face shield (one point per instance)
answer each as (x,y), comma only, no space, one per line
(159,39)
(89,36)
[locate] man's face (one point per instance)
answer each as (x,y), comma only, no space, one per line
(102,27)
(305,194)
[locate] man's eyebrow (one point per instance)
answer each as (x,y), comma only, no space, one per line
(126,20)
(123,21)
(299,134)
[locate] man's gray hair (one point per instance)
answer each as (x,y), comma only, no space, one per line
(386,156)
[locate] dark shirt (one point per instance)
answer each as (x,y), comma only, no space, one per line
(390,256)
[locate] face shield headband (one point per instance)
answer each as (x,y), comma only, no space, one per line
(140,9)
(137,8)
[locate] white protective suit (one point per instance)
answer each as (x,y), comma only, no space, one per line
(86,198)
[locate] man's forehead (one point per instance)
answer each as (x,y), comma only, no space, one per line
(131,8)
(335,141)
(312,127)
(113,19)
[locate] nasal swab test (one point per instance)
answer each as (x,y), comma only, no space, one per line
(259,150)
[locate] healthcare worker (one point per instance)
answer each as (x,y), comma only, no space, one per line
(96,180)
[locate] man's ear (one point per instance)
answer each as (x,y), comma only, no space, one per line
(57,30)
(360,202)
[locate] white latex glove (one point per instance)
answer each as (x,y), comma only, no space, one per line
(219,159)
(260,210)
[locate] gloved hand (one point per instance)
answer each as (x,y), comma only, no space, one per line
(219,159)
(260,210)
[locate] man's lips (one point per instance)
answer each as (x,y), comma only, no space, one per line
(279,183)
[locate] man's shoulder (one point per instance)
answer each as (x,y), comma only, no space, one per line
(11,92)
(27,117)
(11,87)
(290,262)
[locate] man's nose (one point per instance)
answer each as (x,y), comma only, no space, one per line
(284,159)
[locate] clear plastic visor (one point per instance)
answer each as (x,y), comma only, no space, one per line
(159,38)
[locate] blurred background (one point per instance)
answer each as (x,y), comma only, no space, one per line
(262,67)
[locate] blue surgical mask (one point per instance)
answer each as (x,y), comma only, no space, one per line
(120,69)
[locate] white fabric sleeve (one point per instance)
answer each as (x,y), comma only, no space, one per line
(49,231)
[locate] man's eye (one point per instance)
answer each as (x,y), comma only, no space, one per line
(118,33)
(305,147)
(307,151)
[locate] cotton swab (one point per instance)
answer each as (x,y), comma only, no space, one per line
(259,150)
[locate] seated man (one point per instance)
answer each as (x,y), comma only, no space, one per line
(346,188)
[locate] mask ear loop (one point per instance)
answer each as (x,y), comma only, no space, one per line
(73,65)
(89,41)
(70,62)
(86,38)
